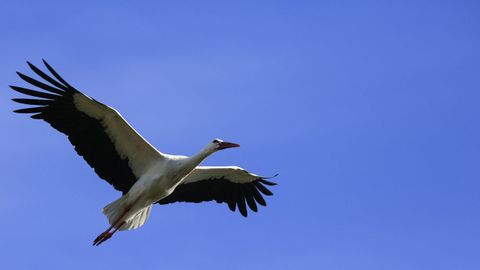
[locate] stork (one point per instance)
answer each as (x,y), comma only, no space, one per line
(122,157)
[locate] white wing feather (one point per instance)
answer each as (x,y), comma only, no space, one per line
(232,173)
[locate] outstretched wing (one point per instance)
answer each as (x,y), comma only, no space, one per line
(231,185)
(116,152)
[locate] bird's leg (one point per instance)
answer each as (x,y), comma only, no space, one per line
(104,236)
(116,228)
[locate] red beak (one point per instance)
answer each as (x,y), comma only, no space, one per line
(224,145)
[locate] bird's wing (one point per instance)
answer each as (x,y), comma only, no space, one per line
(99,133)
(232,185)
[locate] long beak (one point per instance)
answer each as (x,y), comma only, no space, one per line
(224,145)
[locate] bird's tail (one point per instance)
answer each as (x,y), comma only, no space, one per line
(117,208)
(137,220)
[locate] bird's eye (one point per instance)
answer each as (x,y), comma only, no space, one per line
(216,141)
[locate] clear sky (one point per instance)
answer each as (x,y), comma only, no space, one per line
(368,110)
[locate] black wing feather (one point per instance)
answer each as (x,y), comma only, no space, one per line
(249,197)
(222,191)
(31,110)
(86,134)
(69,87)
(241,201)
(258,197)
(33,93)
(263,189)
(40,84)
(30,101)
(46,77)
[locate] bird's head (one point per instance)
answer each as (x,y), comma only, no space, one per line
(218,144)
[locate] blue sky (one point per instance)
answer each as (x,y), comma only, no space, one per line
(368,110)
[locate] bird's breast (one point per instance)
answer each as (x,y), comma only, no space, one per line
(157,184)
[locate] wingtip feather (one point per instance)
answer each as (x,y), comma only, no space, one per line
(263,189)
(56,75)
(268,183)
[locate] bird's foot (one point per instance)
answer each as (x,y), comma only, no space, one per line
(102,238)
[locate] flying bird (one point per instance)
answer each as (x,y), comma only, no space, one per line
(128,162)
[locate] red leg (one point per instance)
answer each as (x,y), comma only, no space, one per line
(107,235)
(104,236)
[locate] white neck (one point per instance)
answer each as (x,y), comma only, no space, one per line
(195,160)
